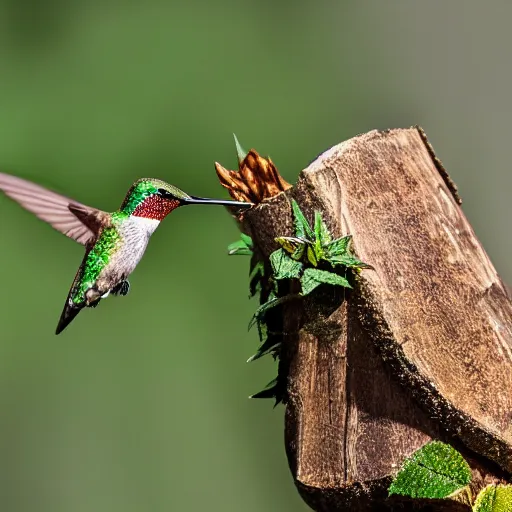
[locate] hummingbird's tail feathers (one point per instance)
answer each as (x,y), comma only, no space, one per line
(51,207)
(68,314)
(72,307)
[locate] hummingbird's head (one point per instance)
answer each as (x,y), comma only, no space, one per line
(155,199)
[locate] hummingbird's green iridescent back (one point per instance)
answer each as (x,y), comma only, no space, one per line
(98,258)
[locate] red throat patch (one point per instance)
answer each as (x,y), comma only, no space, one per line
(156,207)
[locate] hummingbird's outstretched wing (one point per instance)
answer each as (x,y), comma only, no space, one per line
(79,222)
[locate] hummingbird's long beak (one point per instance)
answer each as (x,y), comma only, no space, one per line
(224,202)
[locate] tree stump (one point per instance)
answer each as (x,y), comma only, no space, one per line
(421,350)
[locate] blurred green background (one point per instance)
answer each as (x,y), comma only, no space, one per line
(141,405)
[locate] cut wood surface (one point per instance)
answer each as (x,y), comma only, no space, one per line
(421,350)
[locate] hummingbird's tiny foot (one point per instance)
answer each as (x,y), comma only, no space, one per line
(122,288)
(94,304)
(125,288)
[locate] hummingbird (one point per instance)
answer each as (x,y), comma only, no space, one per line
(114,242)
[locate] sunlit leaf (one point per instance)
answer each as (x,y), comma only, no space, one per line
(494,498)
(283,266)
(314,277)
(323,237)
(436,470)
(312,257)
(339,246)
(348,261)
(302,227)
(293,245)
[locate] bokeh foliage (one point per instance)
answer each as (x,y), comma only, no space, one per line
(142,403)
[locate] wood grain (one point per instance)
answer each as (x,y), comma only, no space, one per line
(421,350)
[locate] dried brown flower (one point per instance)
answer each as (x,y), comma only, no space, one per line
(256,179)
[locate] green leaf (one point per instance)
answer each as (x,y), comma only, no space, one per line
(436,470)
(283,266)
(268,346)
(494,498)
(348,261)
(293,245)
(239,248)
(262,310)
(302,227)
(243,246)
(312,256)
(338,247)
(317,247)
(314,277)
(247,239)
(298,253)
(268,392)
(240,152)
(322,235)
(262,331)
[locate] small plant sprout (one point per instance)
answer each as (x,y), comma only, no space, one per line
(312,257)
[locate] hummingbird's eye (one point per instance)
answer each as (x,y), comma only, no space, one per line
(166,194)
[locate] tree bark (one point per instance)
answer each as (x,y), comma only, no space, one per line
(421,350)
